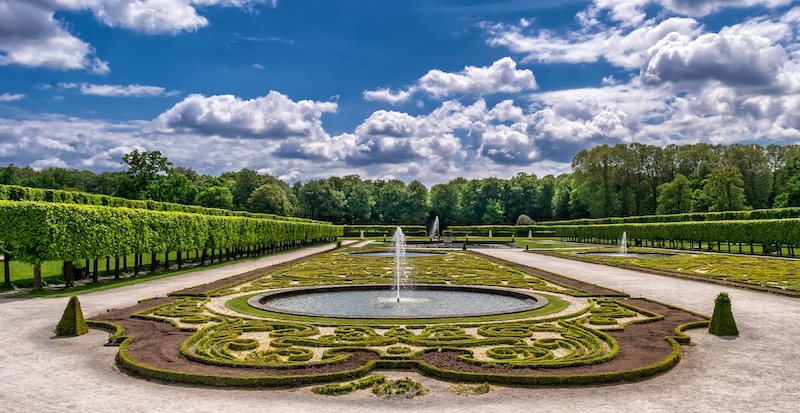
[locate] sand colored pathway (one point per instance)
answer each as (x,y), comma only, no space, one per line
(757,372)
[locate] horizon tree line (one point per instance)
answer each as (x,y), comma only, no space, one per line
(619,180)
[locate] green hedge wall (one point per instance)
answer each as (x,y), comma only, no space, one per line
(766,231)
(777,213)
(381,230)
(40,231)
(497,230)
(23,193)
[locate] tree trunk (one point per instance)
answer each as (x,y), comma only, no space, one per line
(153,262)
(66,272)
(37,277)
(6,270)
(166,261)
(116,268)
(94,271)
(136,264)
(203,257)
(179,259)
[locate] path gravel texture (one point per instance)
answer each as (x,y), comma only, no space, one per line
(756,372)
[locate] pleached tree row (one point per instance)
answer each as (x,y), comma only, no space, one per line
(35,232)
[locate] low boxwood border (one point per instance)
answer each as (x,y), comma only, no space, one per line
(127,362)
(116,333)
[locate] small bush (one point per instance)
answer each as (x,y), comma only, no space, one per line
(72,322)
(722,322)
(399,388)
(525,220)
(471,389)
(338,389)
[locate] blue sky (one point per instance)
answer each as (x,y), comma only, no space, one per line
(426,90)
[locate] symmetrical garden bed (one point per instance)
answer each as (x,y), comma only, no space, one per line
(774,275)
(585,334)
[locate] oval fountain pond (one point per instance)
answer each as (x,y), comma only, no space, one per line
(379,301)
(391,254)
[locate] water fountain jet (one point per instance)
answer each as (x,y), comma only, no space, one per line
(623,244)
(434,233)
(399,241)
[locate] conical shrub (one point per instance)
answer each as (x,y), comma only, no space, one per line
(722,322)
(72,322)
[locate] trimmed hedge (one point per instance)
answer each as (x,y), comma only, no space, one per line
(775,213)
(722,322)
(24,193)
(116,334)
(72,322)
(497,230)
(35,232)
(338,389)
(767,232)
(384,230)
(126,361)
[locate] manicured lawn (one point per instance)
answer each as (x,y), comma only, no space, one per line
(22,273)
(106,278)
(748,269)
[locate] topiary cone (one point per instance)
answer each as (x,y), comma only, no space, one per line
(722,322)
(72,322)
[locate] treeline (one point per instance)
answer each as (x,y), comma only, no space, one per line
(636,179)
(151,176)
(606,181)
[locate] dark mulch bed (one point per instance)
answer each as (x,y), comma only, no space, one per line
(158,344)
(640,345)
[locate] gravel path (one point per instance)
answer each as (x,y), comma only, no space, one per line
(756,372)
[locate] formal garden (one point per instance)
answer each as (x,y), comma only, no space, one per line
(584,333)
(558,330)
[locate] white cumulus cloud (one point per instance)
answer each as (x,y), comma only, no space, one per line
(619,46)
(387,95)
(501,77)
(733,58)
(273,116)
(31,35)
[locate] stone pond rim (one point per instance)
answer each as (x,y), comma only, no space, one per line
(531,301)
(391,254)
